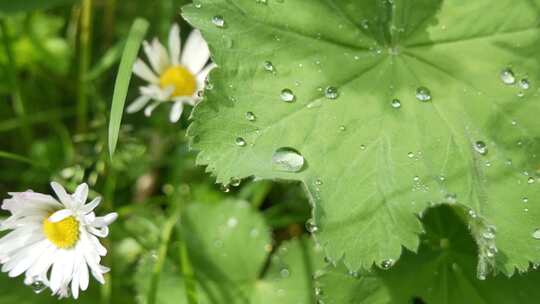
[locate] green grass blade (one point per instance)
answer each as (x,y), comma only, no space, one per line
(19,158)
(136,35)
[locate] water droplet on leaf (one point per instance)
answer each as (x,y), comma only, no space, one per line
(423,94)
(287,160)
(240,142)
(287,95)
(507,76)
(480,147)
(218,21)
(331,93)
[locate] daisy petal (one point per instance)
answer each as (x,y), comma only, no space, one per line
(62,194)
(163,55)
(201,76)
(60,215)
(175,44)
(80,196)
(176,111)
(138,104)
(149,109)
(91,206)
(153,56)
(144,72)
(195,53)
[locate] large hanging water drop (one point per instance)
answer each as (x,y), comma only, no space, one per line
(37,286)
(287,160)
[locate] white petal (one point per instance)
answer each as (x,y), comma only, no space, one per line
(175,44)
(91,206)
(144,72)
(80,196)
(201,76)
(195,53)
(57,271)
(62,194)
(149,109)
(176,111)
(138,104)
(60,215)
(153,57)
(164,61)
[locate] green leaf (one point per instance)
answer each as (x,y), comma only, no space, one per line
(10,6)
(443,272)
(371,164)
(229,247)
(134,40)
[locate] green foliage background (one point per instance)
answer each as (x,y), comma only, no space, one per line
(399,200)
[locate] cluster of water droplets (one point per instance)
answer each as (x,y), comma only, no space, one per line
(509,78)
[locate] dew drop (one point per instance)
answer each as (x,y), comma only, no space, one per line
(261,1)
(410,155)
(331,93)
(507,76)
(536,234)
(318,182)
(235,182)
(240,142)
(287,160)
(480,147)
(525,199)
(284,273)
(287,95)
(268,66)
(387,264)
(225,188)
(250,116)
(524,84)
(451,198)
(37,285)
(396,103)
(342,128)
(311,227)
(218,21)
(423,94)
(531,180)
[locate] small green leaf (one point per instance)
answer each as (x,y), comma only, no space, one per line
(442,272)
(381,109)
(229,247)
(134,40)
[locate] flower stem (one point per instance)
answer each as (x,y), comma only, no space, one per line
(18,104)
(84,63)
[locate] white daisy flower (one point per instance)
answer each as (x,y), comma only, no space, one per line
(175,76)
(54,243)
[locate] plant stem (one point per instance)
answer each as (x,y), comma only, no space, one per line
(187,269)
(18,104)
(108,22)
(162,254)
(84,63)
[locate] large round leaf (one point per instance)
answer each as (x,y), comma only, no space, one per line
(381,109)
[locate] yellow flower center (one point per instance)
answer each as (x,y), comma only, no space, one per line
(181,79)
(64,234)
